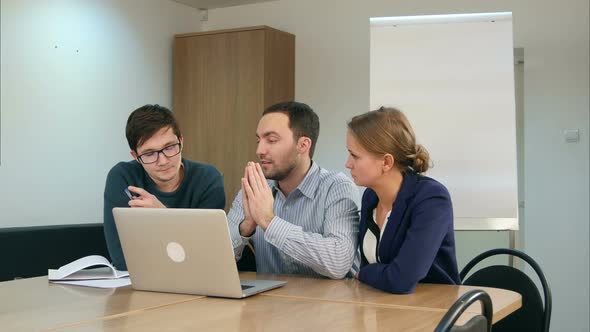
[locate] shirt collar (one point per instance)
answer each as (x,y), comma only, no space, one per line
(309,184)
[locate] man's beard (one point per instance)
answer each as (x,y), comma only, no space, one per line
(281,174)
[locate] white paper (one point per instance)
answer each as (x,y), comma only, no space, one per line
(75,270)
(98,283)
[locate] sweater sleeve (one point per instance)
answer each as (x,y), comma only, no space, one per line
(114,196)
(430,222)
(213,196)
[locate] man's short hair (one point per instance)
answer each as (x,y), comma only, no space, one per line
(303,121)
(147,120)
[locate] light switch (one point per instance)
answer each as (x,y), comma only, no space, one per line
(571,135)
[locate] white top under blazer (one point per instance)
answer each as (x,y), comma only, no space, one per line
(370,243)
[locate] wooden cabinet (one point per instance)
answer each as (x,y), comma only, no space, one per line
(223,80)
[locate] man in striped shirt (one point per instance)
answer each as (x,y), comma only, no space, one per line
(300,218)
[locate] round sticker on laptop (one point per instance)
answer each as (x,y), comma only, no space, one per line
(175,252)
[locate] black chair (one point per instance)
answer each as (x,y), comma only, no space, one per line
(479,323)
(248,260)
(27,252)
(533,315)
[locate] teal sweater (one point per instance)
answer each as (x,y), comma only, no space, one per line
(201,187)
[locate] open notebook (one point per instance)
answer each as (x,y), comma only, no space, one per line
(102,274)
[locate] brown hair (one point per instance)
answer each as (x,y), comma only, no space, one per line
(387,130)
(147,120)
(303,121)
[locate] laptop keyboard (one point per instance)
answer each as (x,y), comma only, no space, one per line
(246,287)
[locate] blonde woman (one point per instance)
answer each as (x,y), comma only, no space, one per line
(406,228)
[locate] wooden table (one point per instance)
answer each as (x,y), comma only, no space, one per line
(266,313)
(433,297)
(303,304)
(34,304)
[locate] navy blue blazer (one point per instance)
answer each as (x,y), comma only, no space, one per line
(418,244)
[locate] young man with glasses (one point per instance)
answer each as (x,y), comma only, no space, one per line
(158,177)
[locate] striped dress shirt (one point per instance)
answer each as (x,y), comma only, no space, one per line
(314,231)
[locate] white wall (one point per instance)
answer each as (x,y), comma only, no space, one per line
(332,75)
(72,71)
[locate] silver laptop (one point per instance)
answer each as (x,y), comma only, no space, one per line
(182,251)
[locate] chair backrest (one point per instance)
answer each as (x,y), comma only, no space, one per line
(479,323)
(533,315)
(30,251)
(247,262)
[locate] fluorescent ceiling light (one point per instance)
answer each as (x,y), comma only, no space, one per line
(446,18)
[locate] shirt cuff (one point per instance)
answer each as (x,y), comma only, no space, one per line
(277,232)
(236,239)
(246,238)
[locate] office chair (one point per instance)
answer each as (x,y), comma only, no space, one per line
(248,260)
(479,323)
(532,316)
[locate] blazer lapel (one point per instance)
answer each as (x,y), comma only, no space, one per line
(399,214)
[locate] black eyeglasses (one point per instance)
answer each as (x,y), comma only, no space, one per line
(152,156)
